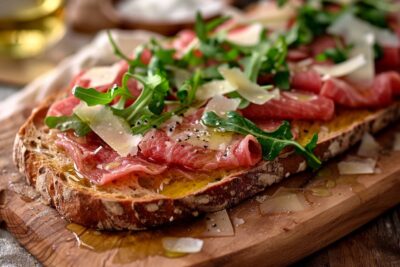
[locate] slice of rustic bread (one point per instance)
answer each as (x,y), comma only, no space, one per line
(126,204)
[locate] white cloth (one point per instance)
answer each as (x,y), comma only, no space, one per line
(98,52)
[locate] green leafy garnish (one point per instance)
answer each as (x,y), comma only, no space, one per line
(373,12)
(116,49)
(155,89)
(203,28)
(65,123)
(310,23)
(187,92)
(337,54)
(93,97)
(272,142)
(282,79)
(378,51)
(281,3)
(254,62)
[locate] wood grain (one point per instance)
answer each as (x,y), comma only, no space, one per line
(374,244)
(260,240)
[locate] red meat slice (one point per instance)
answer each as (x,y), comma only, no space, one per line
(157,146)
(390,59)
(298,54)
(321,44)
(63,107)
(99,163)
(379,94)
(293,105)
(308,80)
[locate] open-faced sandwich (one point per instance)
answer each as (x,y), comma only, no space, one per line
(201,121)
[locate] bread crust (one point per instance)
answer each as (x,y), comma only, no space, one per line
(104,211)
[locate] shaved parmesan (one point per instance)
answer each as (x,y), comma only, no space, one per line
(363,36)
(246,88)
(365,74)
(369,147)
(342,69)
(249,36)
(213,88)
(236,80)
(270,15)
(99,76)
(221,105)
(284,200)
(219,224)
(110,128)
(354,29)
(238,221)
(357,166)
(182,244)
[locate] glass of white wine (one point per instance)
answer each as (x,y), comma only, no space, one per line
(27,27)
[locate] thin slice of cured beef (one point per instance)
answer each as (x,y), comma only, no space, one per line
(321,44)
(308,80)
(65,106)
(390,59)
(394,78)
(99,163)
(293,105)
(380,94)
(157,146)
(132,84)
(298,54)
(183,39)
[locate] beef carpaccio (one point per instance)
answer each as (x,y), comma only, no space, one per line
(224,96)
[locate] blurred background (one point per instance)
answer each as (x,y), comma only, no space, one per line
(37,34)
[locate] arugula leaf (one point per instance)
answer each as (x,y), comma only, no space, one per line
(200,27)
(65,123)
(133,63)
(151,99)
(372,12)
(93,97)
(282,79)
(299,34)
(116,50)
(156,105)
(334,54)
(385,5)
(243,102)
(378,51)
(275,58)
(272,142)
(213,47)
(311,22)
(191,59)
(253,63)
(187,92)
(281,3)
(213,24)
(211,73)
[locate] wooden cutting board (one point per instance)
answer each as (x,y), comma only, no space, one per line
(337,206)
